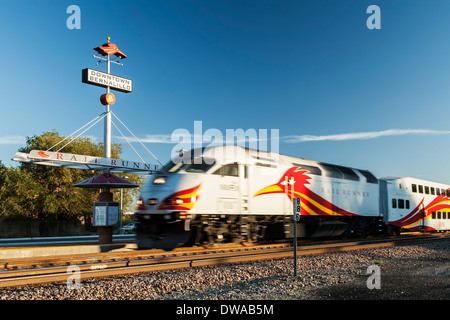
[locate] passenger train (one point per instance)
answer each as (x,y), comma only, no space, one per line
(236,194)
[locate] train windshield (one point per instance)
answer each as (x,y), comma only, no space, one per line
(204,166)
(171,167)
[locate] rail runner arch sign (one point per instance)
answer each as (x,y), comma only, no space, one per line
(77,161)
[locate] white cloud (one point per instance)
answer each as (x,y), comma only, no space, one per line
(93,138)
(360,135)
(151,138)
(12,140)
(186,137)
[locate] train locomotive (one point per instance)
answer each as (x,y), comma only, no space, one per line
(237,194)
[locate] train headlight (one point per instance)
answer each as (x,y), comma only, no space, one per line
(178,201)
(159,180)
(140,204)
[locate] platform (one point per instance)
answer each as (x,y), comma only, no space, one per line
(47,247)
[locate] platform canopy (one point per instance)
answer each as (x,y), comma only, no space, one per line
(106,180)
(77,161)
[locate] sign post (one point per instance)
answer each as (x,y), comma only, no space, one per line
(108,81)
(296,216)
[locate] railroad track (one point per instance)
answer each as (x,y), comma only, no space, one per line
(25,272)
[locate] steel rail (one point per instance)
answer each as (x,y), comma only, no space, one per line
(24,277)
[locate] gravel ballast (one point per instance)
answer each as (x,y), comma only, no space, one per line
(406,272)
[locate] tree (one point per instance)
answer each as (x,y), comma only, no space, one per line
(17,192)
(47,193)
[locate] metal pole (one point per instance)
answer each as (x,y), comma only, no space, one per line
(107,142)
(121,207)
(286,192)
(107,133)
(295,228)
(105,233)
(121,210)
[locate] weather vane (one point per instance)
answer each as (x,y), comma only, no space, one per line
(108,49)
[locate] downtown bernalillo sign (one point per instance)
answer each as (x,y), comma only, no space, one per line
(101,79)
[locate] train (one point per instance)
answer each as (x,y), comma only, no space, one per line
(236,194)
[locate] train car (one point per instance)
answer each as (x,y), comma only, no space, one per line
(414,204)
(235,194)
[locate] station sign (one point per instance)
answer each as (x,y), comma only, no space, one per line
(105,214)
(102,79)
(297,209)
(77,161)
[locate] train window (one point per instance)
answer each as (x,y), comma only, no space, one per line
(427,190)
(171,167)
(432,191)
(394,203)
(232,170)
(414,187)
(407,204)
(439,215)
(444,215)
(420,189)
(369,176)
(448,193)
(433,215)
(311,169)
(401,204)
(228,170)
(200,167)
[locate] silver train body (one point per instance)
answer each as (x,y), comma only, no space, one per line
(235,194)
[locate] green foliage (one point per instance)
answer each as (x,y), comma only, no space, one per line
(40,192)
(17,194)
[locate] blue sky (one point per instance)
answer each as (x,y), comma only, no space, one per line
(336,91)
